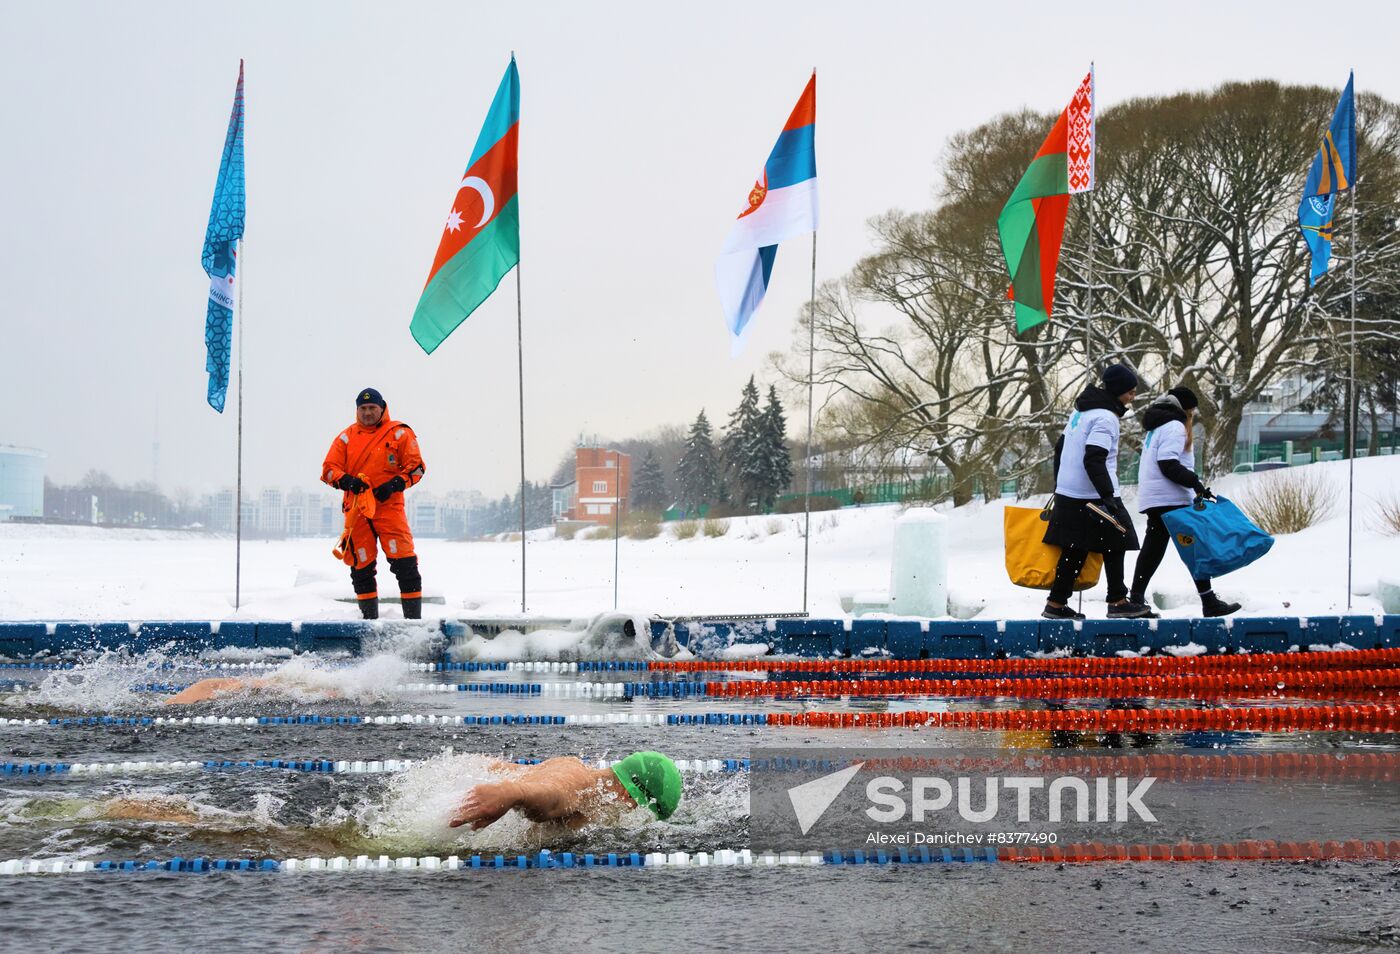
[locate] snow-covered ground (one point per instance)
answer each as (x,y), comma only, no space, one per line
(54,572)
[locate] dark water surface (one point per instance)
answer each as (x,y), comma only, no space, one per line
(1153,907)
(1016,908)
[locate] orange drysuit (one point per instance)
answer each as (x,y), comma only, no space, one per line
(379,454)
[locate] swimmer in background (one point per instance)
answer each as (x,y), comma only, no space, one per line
(557,790)
(561,790)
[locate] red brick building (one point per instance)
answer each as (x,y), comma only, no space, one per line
(602,477)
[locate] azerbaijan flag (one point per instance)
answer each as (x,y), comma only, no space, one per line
(481,240)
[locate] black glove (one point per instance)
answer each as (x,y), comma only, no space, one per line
(390,487)
(351,484)
(1205,492)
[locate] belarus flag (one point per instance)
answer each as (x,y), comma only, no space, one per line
(781,205)
(1032,223)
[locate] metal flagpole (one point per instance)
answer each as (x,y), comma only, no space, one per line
(520,351)
(240,261)
(617,516)
(1089,298)
(811,404)
(1089,294)
(1353,399)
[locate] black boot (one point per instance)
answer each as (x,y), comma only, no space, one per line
(1212,605)
(410,585)
(366,592)
(1130,609)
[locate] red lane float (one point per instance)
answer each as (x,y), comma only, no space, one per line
(1342,718)
(1353,850)
(1166,766)
(1372,684)
(1087,665)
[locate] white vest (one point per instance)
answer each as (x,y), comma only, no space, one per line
(1167,442)
(1093,428)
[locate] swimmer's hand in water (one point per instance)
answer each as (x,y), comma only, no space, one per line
(557,790)
(485,804)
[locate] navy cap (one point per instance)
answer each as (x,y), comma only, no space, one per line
(370,396)
(1119,380)
(1185,397)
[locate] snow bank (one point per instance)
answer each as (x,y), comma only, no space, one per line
(90,573)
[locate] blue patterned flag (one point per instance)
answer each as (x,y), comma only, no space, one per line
(1333,170)
(221,250)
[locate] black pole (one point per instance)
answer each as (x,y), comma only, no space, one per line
(520,351)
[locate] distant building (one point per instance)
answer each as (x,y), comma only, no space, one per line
(248,518)
(221,512)
(270,517)
(602,481)
(294,513)
(432,516)
(564,499)
(21,482)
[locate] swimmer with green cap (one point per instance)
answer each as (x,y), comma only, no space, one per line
(565,790)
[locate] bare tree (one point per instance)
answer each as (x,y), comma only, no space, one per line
(1201,273)
(1199,276)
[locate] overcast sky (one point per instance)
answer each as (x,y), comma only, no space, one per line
(643,128)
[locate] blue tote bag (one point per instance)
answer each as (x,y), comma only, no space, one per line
(1214,537)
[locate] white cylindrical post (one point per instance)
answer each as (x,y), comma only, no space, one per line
(919,566)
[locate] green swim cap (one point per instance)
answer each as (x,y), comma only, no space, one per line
(652,780)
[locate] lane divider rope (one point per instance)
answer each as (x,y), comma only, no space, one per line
(1165,766)
(1085,665)
(1326,683)
(1088,665)
(1346,718)
(1245,851)
(316,766)
(1373,684)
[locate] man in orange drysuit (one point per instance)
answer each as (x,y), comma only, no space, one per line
(380,454)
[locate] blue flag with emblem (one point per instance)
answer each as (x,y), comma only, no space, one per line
(1333,171)
(220,253)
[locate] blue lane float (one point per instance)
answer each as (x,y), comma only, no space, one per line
(538,861)
(811,638)
(432,719)
(321,766)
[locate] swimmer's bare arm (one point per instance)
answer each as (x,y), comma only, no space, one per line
(207,689)
(537,800)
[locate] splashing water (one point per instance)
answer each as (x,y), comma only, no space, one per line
(414,811)
(410,640)
(107,683)
(307,679)
(102,684)
(609,635)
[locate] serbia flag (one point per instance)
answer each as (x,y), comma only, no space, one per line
(781,205)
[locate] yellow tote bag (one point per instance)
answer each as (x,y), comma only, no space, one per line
(1030,562)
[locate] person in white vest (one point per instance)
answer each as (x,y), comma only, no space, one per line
(1167,481)
(1088,515)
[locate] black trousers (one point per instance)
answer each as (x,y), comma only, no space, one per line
(1072,560)
(1154,547)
